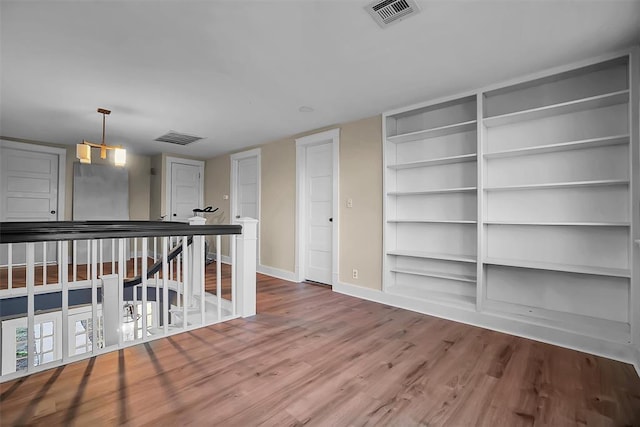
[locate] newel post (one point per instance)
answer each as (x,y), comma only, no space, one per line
(246,266)
(111,310)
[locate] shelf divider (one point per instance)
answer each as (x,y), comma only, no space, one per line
(562,146)
(589,103)
(436,191)
(434,132)
(433,255)
(567,268)
(436,274)
(434,162)
(574,184)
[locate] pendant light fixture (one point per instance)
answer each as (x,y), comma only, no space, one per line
(83,151)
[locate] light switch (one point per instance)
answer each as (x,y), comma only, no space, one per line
(349,202)
(225,197)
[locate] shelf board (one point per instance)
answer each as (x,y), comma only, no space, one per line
(439,221)
(434,162)
(563,146)
(437,191)
(561,223)
(434,132)
(574,184)
(433,255)
(568,268)
(585,325)
(466,301)
(589,103)
(439,275)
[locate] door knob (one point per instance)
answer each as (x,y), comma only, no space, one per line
(53,212)
(330,219)
(237,216)
(175,214)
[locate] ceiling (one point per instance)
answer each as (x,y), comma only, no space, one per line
(237,72)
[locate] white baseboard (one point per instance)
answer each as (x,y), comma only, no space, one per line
(277,273)
(636,361)
(505,324)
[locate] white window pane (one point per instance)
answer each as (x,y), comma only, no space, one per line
(79,327)
(47,328)
(81,340)
(47,357)
(36,332)
(38,347)
(47,344)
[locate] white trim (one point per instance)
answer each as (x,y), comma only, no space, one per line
(333,136)
(506,324)
(62,167)
(168,162)
(636,361)
(277,273)
(257,153)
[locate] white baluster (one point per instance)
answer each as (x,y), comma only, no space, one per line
(218,276)
(94,292)
(75,261)
(144,266)
(120,284)
(186,287)
(165,286)
(10,266)
(135,257)
(30,279)
(232,250)
(63,256)
(44,263)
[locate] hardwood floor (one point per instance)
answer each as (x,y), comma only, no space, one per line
(315,357)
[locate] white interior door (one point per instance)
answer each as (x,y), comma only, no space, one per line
(28,192)
(185,190)
(245,188)
(319,212)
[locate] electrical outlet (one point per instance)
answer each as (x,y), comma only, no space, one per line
(225,197)
(349,202)
(355,273)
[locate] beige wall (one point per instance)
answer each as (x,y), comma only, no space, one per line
(139,188)
(360,179)
(157,184)
(278,205)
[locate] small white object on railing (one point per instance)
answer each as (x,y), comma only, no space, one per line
(246,266)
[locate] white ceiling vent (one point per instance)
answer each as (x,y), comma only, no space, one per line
(387,12)
(173,137)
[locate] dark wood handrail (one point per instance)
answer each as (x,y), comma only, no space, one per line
(19,232)
(134,281)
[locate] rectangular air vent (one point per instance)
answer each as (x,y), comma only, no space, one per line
(387,12)
(173,137)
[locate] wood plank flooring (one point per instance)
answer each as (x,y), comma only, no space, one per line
(314,357)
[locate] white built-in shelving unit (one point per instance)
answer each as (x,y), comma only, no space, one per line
(519,202)
(430,195)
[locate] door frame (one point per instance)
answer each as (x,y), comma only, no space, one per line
(62,168)
(332,137)
(167,190)
(235,158)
